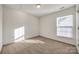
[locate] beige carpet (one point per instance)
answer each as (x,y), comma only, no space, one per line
(39,45)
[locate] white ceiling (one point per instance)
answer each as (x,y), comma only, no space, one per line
(44,10)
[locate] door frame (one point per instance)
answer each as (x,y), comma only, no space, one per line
(77,26)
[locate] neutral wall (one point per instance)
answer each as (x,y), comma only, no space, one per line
(14,19)
(0,27)
(48,25)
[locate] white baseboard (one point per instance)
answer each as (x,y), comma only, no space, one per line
(25,38)
(0,48)
(33,36)
(47,36)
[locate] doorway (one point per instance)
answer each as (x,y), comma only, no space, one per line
(77,27)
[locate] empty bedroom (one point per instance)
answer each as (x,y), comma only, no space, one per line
(38,29)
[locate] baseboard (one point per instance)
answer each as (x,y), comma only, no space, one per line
(26,38)
(0,49)
(33,36)
(8,43)
(41,36)
(58,40)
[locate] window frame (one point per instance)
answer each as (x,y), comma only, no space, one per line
(64,26)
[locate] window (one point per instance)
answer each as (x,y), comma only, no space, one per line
(64,26)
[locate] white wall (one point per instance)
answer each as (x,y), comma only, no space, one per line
(14,19)
(48,25)
(0,27)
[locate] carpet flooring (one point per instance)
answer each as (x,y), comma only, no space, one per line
(39,45)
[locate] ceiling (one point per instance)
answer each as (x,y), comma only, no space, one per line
(44,10)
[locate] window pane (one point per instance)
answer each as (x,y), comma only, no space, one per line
(64,26)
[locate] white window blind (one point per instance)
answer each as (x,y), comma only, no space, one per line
(65,26)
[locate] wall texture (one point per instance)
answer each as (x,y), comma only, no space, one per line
(48,25)
(14,19)
(0,27)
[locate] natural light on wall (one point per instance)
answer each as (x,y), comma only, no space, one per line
(65,26)
(19,34)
